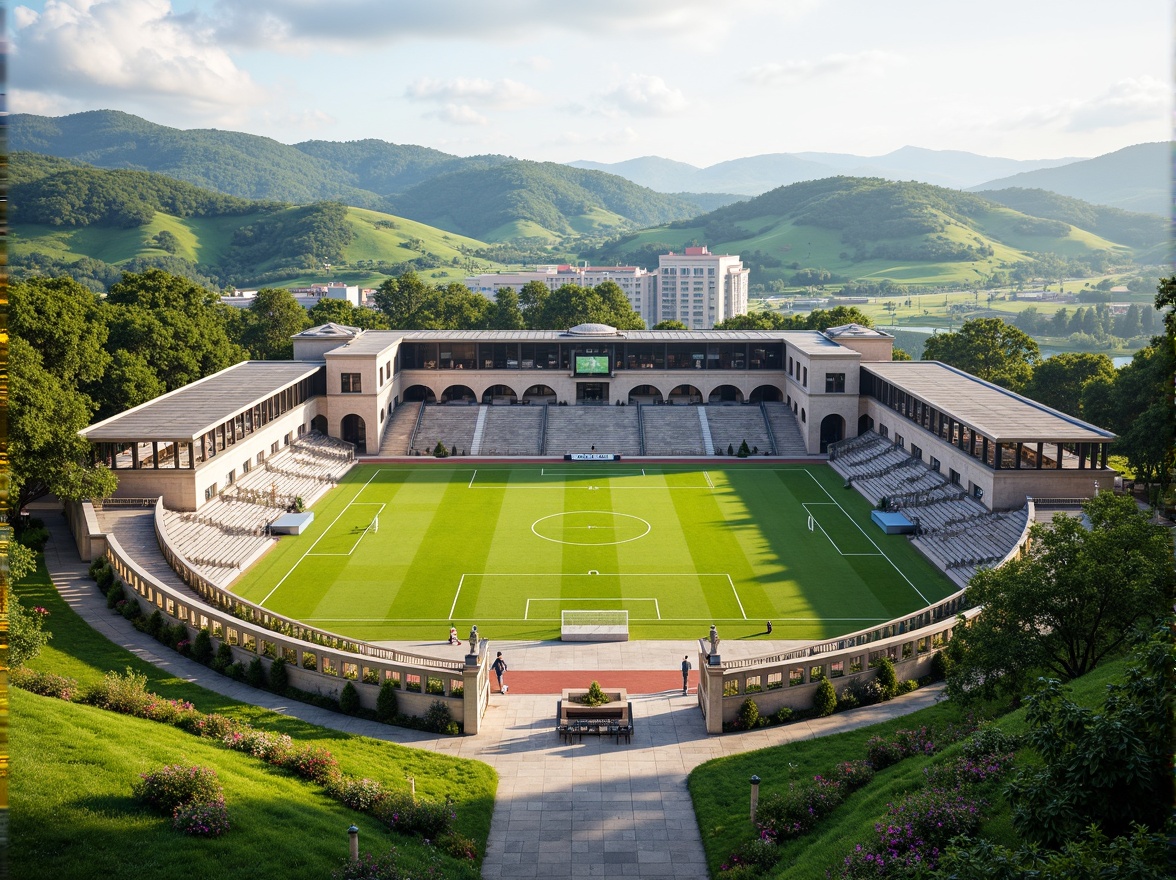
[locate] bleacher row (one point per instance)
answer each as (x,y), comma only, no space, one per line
(231,531)
(627,430)
(954,530)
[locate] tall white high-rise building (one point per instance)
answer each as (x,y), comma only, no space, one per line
(699,288)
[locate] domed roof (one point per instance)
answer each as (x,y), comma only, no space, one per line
(592,330)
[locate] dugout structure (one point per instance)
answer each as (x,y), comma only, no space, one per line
(594,626)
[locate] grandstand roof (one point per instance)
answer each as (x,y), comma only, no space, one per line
(994,411)
(188,412)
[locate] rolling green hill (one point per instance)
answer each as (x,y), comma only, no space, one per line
(94,223)
(553,200)
(869,228)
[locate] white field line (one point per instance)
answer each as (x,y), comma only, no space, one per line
(460,583)
(326,531)
(362,534)
(400,620)
(737,599)
(826,534)
(472,476)
(709,484)
(527,611)
(901,573)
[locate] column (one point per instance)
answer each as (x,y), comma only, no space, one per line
(713,693)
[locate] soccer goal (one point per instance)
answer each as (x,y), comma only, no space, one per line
(594,626)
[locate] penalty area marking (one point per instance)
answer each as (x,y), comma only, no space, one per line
(881,553)
(367,528)
(527,610)
(813,520)
(326,532)
(594,573)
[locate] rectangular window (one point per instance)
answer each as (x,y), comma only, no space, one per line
(210,492)
(351,383)
(900,441)
(977,492)
(246,466)
(286,440)
(955,478)
(883,430)
(230,477)
(804,381)
(916,452)
(935,464)
(835,383)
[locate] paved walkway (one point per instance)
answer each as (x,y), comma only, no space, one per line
(593,808)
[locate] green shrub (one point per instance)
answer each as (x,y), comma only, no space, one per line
(236,671)
(457,846)
(130,609)
(121,692)
(940,665)
(209,819)
(439,451)
(749,715)
(105,578)
(34,538)
(989,740)
(363,795)
(906,686)
(349,700)
(154,625)
(47,684)
(825,699)
(174,786)
(255,674)
(386,701)
(115,595)
(314,763)
(96,567)
(782,715)
(173,635)
(371,867)
(26,633)
(595,696)
(439,719)
(743,450)
(279,678)
(401,813)
(751,859)
(202,647)
(887,678)
(224,657)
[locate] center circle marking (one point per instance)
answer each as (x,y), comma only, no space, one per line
(589,525)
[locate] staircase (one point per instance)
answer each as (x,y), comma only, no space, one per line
(398,431)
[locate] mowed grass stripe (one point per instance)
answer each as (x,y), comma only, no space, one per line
(459,537)
(582,559)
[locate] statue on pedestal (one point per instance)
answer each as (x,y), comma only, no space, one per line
(474,639)
(714,639)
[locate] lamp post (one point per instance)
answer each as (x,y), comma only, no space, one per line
(353,837)
(755,781)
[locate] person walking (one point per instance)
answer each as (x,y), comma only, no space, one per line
(685,674)
(499,667)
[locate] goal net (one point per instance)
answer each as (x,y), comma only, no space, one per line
(594,626)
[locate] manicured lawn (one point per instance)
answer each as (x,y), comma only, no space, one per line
(720,789)
(510,547)
(73,767)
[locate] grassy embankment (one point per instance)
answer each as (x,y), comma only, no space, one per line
(73,767)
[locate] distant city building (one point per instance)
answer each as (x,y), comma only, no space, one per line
(306,296)
(699,288)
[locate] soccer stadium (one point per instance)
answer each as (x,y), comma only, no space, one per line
(592,484)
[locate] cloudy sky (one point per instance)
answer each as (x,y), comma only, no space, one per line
(699,82)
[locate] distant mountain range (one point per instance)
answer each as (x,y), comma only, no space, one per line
(514,198)
(754,175)
(1135,178)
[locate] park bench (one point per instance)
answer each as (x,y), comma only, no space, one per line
(608,720)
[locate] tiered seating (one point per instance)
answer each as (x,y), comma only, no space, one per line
(789,439)
(452,424)
(672,430)
(966,545)
(217,550)
(579,428)
(511,430)
(398,432)
(731,425)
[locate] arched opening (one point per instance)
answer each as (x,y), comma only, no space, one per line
(645,394)
(685,394)
(501,394)
(540,394)
(319,423)
(865,423)
(355,431)
(832,430)
(766,394)
(421,393)
(458,394)
(725,394)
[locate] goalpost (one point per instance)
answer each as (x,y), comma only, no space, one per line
(594,626)
(376,524)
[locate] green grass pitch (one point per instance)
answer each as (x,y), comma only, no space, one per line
(508,547)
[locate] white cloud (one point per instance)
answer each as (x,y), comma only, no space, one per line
(644,95)
(127,50)
(869,63)
(1126,102)
(503,94)
(615,137)
(274,23)
(537,62)
(461,114)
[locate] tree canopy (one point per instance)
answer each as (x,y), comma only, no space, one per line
(1070,601)
(989,349)
(1059,381)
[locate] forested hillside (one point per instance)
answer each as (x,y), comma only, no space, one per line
(537,198)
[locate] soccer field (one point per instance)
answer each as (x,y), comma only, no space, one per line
(398,552)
